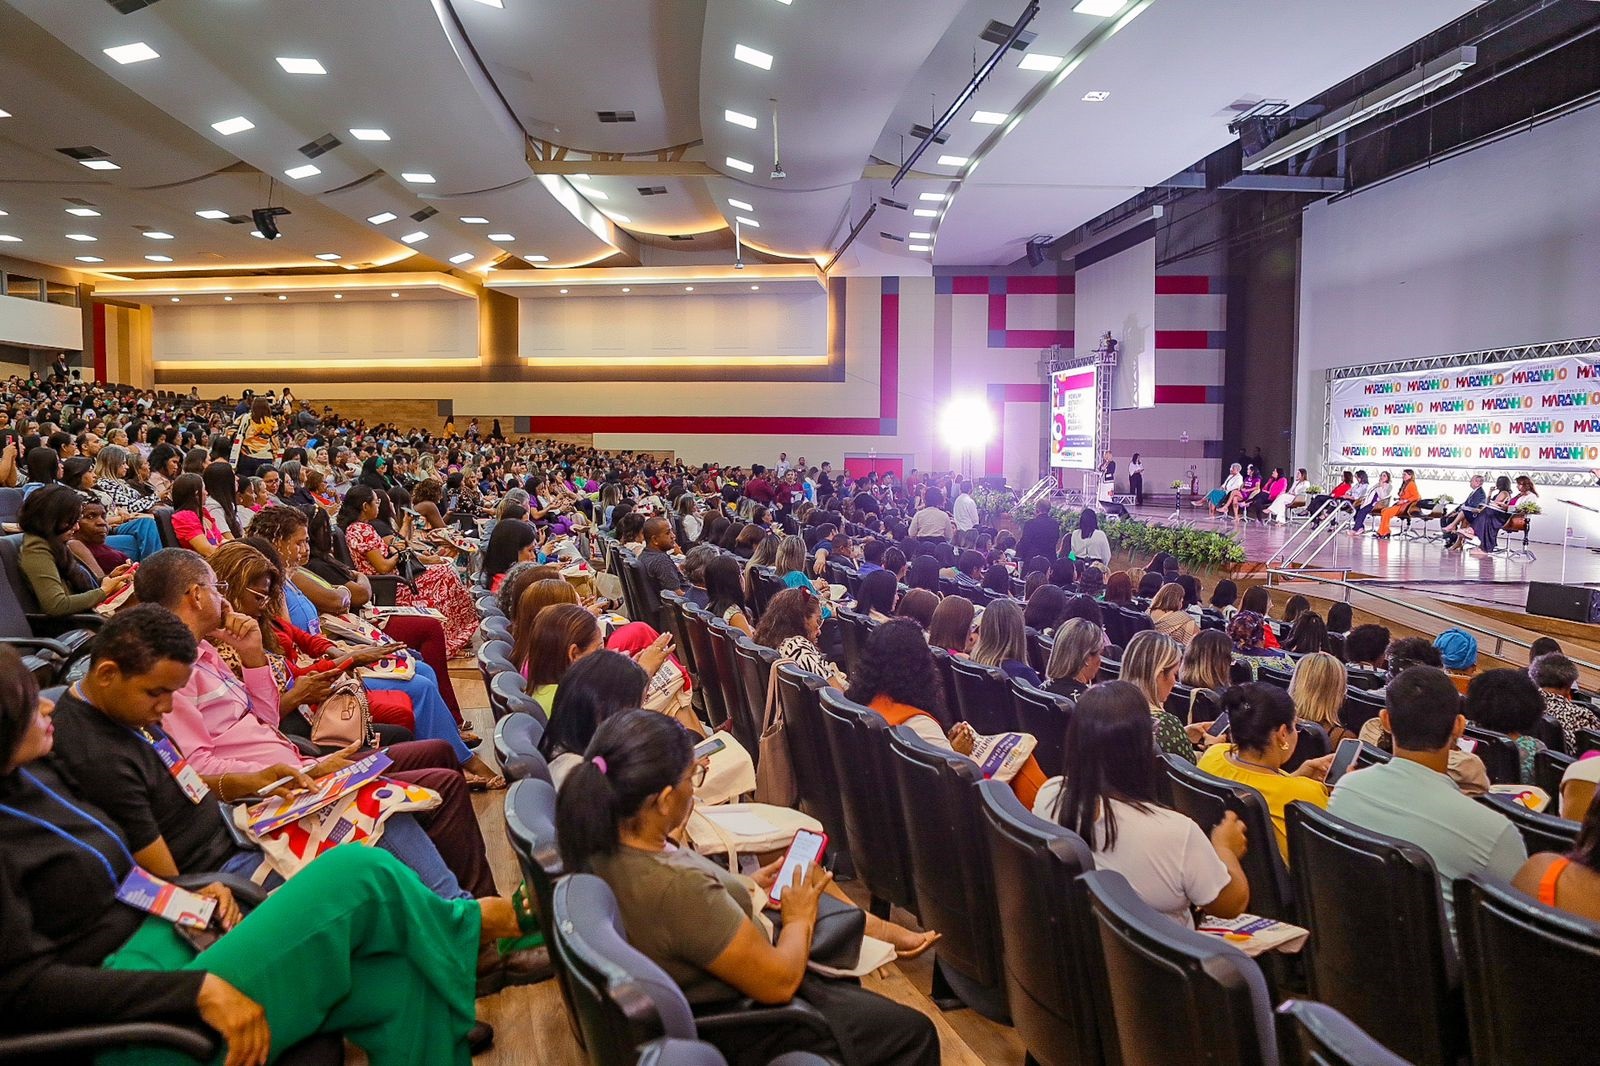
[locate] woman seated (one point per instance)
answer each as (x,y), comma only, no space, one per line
(1262,737)
(725,593)
(1003,641)
(1569,882)
(1297,495)
(1219,497)
(1500,511)
(616,816)
(221,502)
(128,509)
(918,605)
(897,679)
(1272,488)
(513,541)
(669,690)
(1088,541)
(924,573)
(1247,630)
(560,635)
(1170,617)
(598,687)
(1317,690)
(60,584)
(88,543)
(876,596)
(1119,588)
(791,625)
(436,587)
(951,627)
(518,578)
(1507,701)
(194,526)
(1234,505)
(390,967)
(1108,797)
(1322,501)
(1151,662)
(1075,658)
(1308,635)
(1046,607)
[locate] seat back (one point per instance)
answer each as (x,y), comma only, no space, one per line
(1314,1034)
(1050,949)
(765,585)
(11,563)
(1362,678)
(672,614)
(1274,675)
(496,627)
(983,697)
(754,664)
(1540,832)
(13,616)
(1044,715)
(853,631)
(1550,733)
(1585,740)
(1189,704)
(1205,799)
(508,693)
(800,696)
(494,657)
(698,622)
(942,665)
(516,747)
(10,504)
(1505,938)
(725,674)
(1177,995)
(1313,743)
(1379,949)
(1548,768)
(530,812)
(169,536)
(1360,707)
(620,997)
(1498,752)
(858,743)
(950,869)
(1039,649)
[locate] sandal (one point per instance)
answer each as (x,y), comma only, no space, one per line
(469,738)
(928,940)
(479,783)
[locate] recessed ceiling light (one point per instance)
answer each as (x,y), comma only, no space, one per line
(754,56)
(159,258)
(502,237)
(580,177)
(303,172)
(741,205)
(137,52)
(227,299)
(258,233)
(537,258)
(99,164)
(382,217)
(338,296)
(626,289)
(301,66)
(81,237)
(932,197)
(5,114)
(1039,61)
(4,213)
(417,177)
(492,3)
(688,288)
(394,296)
(158,235)
(753,288)
(229,126)
(919,247)
(282,297)
(413,238)
(752,223)
(740,164)
(83,212)
(989,118)
(1102,8)
(212,213)
(1097,96)
(82,258)
(475,220)
(920,236)
(593,194)
(176,299)
(739,118)
(953,161)
(563,292)
(370,135)
(461,257)
(924,212)
(9,239)
(328,257)
(619,218)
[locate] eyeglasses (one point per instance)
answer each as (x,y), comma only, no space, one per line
(700,771)
(220,586)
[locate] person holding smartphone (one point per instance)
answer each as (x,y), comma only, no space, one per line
(616,816)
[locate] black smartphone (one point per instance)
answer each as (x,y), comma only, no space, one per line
(709,747)
(1344,757)
(1219,728)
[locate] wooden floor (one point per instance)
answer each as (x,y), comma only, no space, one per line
(530,1022)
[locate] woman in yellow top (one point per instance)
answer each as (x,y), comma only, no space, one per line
(1261,726)
(258,431)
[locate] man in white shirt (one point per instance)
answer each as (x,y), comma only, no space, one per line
(1412,797)
(783,463)
(932,523)
(965,508)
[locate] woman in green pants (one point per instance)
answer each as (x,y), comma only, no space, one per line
(355,944)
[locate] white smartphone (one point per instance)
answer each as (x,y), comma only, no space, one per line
(806,848)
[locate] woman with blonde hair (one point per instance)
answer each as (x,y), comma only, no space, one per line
(1151,663)
(1003,641)
(1318,689)
(1208,661)
(1170,617)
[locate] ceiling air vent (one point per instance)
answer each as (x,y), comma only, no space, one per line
(615,116)
(128,7)
(87,151)
(920,132)
(680,236)
(321,146)
(997,32)
(890,236)
(886,202)
(652,190)
(425,214)
(78,201)
(238,220)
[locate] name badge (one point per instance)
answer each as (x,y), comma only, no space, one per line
(187,777)
(165,900)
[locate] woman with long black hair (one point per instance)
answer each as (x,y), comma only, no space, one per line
(61,585)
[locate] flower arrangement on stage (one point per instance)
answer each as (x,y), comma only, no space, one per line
(994,501)
(1315,490)
(1444,499)
(1528,507)
(1197,549)
(1177,483)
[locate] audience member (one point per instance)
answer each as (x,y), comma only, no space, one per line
(1003,641)
(1151,664)
(1365,645)
(1075,658)
(1458,649)
(1169,616)
(918,605)
(1318,691)
(1556,675)
(1507,701)
(59,582)
(791,625)
(1569,882)
(951,627)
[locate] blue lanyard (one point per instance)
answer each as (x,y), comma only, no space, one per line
(68,837)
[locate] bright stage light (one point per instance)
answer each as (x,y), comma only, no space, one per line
(966,422)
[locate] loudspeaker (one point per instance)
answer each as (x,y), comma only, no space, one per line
(266,220)
(1575,603)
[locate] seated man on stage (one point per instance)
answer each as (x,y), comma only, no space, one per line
(1461,518)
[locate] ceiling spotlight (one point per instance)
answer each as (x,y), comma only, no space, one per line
(1097,96)
(920,247)
(227,299)
(475,220)
(739,118)
(563,292)
(394,296)
(1039,61)
(328,257)
(753,288)
(301,66)
(212,213)
(413,238)
(626,289)
(688,288)
(159,258)
(266,220)
(953,161)
(502,238)
(461,257)
(338,296)
(740,204)
(754,56)
(176,300)
(370,135)
(83,212)
(932,197)
(79,258)
(282,297)
(1101,8)
(10,239)
(229,126)
(99,164)
(741,165)
(158,235)
(81,237)
(537,258)
(989,118)
(752,223)
(380,219)
(302,172)
(920,236)
(137,52)
(417,177)
(924,212)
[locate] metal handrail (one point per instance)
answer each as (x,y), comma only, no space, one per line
(1500,639)
(1325,520)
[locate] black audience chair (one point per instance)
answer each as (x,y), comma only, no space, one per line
(1177,995)
(754,663)
(800,697)
(1548,767)
(1044,715)
(1379,950)
(1498,752)
(698,622)
(1188,704)
(39,623)
(384,586)
(672,614)
(858,740)
(516,747)
(983,697)
(1540,832)
(942,665)
(1050,947)
(725,674)
(1360,707)
(853,629)
(530,812)
(1529,973)
(1039,649)
(1204,799)
(1585,740)
(63,651)
(1550,733)
(1313,743)
(1314,1034)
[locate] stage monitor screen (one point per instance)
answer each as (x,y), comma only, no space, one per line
(1072,418)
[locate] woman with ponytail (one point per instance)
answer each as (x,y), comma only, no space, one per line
(616,815)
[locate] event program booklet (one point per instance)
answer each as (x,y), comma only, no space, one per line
(1002,755)
(273,814)
(1254,935)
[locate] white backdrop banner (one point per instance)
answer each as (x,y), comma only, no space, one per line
(1516,417)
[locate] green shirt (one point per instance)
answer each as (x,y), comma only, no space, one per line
(55,596)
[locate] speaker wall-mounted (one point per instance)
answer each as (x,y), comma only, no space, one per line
(266,220)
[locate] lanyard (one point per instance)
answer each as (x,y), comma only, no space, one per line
(68,837)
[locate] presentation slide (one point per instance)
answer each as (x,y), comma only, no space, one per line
(1072,418)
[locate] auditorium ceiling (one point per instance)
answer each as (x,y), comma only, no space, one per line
(468,135)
